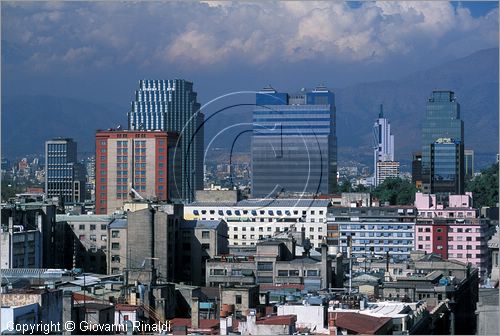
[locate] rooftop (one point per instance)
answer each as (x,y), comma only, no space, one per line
(84,218)
(360,323)
(118,223)
(277,320)
(262,203)
(200,224)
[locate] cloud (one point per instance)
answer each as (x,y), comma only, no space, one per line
(214,33)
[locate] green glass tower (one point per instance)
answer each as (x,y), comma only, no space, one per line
(442,120)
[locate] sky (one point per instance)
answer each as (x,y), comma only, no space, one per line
(98,51)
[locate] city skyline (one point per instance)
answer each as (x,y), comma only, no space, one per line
(108,86)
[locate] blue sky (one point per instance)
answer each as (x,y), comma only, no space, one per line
(98,51)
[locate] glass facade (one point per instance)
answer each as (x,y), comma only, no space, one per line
(442,120)
(65,177)
(446,170)
(294,147)
(171,105)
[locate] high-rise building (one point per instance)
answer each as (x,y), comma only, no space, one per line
(469,162)
(446,167)
(294,143)
(383,144)
(171,105)
(442,120)
(386,169)
(135,164)
(65,176)
(416,170)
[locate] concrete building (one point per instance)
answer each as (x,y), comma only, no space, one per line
(455,297)
(454,232)
(20,248)
(487,312)
(242,298)
(48,303)
(64,175)
(254,219)
(272,325)
(20,314)
(373,230)
(310,317)
(273,262)
(135,164)
(91,235)
(387,169)
(117,246)
(31,236)
(199,241)
(152,240)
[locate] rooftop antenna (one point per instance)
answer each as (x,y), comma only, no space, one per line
(381,113)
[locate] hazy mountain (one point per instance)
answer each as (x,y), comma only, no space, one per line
(27,121)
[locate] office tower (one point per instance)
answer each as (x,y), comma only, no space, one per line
(170,105)
(442,120)
(383,149)
(469,163)
(446,167)
(294,144)
(65,177)
(416,170)
(135,165)
(386,169)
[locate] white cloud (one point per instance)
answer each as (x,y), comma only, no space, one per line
(210,33)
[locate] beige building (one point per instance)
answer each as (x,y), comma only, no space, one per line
(117,246)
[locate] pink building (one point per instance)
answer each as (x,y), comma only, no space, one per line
(454,232)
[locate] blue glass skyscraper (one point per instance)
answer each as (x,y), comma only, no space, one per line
(446,168)
(442,120)
(171,105)
(294,143)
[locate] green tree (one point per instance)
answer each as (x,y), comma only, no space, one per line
(484,187)
(396,191)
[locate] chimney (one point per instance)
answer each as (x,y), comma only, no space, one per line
(331,323)
(195,315)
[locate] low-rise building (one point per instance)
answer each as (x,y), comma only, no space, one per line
(117,246)
(271,325)
(199,241)
(254,219)
(454,232)
(372,230)
(273,262)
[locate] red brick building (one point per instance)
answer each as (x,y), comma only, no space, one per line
(146,162)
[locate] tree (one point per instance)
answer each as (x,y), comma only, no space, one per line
(484,187)
(396,191)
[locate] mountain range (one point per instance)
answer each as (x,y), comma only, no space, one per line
(29,120)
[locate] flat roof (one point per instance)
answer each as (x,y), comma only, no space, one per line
(201,224)
(262,203)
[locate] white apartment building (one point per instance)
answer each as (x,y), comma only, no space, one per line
(254,219)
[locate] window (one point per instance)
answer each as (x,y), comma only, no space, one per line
(115,234)
(81,227)
(205,246)
(115,258)
(238,299)
(205,234)
(104,226)
(104,237)
(115,246)
(282,273)
(264,266)
(92,227)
